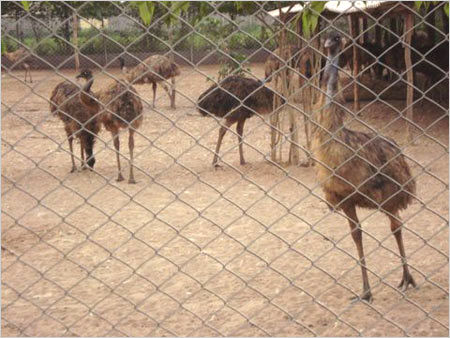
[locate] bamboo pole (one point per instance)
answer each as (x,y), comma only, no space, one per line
(75,42)
(354,31)
(409,20)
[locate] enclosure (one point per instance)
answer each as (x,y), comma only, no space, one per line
(235,250)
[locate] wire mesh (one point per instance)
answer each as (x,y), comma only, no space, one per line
(253,247)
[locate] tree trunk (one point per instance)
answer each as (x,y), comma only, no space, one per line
(409,21)
(354,31)
(105,52)
(172,80)
(37,36)
(75,42)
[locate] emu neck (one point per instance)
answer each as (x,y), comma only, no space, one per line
(330,116)
(86,96)
(331,70)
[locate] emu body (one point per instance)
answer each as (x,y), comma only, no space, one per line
(79,121)
(357,169)
(19,56)
(154,69)
(235,99)
(118,107)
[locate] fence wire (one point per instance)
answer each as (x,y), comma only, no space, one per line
(139,235)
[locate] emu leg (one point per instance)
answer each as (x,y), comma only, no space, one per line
(169,94)
(131,147)
(396,228)
(74,167)
(82,146)
(115,135)
(240,130)
(357,238)
(222,131)
(154,93)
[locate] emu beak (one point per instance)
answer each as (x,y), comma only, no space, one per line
(328,43)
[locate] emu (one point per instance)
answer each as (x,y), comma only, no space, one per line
(235,99)
(19,56)
(118,107)
(79,121)
(154,69)
(357,169)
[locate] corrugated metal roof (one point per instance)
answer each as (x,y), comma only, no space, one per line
(339,7)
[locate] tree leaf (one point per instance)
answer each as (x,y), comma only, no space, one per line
(446,9)
(26,5)
(3,47)
(310,17)
(146,9)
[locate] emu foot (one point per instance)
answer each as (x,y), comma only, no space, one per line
(405,282)
(243,162)
(305,163)
(131,180)
(120,178)
(73,169)
(365,297)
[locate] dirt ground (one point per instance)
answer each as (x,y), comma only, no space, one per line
(243,250)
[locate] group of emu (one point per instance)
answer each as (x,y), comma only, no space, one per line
(355,169)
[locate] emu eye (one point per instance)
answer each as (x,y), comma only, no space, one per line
(337,38)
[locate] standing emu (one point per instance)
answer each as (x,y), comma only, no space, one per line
(79,121)
(118,107)
(235,99)
(19,56)
(360,169)
(154,69)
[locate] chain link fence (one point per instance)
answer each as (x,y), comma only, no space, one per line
(256,247)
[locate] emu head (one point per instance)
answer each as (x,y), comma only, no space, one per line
(333,43)
(85,74)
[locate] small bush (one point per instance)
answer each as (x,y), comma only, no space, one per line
(47,47)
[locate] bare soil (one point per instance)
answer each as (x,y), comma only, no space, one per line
(189,250)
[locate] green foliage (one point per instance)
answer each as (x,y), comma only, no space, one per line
(47,47)
(446,9)
(310,16)
(26,5)
(146,10)
(3,47)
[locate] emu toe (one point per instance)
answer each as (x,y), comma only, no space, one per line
(131,180)
(405,282)
(120,178)
(365,297)
(73,169)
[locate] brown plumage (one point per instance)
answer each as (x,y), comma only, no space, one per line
(79,121)
(359,169)
(154,69)
(119,107)
(19,56)
(294,58)
(235,99)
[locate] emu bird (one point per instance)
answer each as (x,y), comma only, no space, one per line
(79,121)
(359,169)
(154,69)
(119,107)
(19,56)
(235,99)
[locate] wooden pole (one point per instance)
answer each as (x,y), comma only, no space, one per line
(75,41)
(354,31)
(409,21)
(366,32)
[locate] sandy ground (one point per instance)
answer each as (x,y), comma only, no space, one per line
(244,250)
